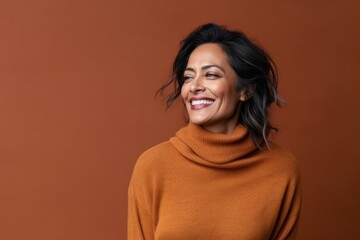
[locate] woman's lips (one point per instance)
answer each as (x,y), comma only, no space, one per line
(200,103)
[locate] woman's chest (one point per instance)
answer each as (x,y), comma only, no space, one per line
(215,209)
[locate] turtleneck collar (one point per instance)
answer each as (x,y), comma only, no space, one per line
(214,149)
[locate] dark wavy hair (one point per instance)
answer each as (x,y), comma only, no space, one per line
(256,75)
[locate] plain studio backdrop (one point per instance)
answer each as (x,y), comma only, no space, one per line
(77,107)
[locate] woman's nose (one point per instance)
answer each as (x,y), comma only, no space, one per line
(197,85)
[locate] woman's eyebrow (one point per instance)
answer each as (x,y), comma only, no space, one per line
(189,69)
(212,65)
(205,67)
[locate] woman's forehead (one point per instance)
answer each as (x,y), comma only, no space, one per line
(208,54)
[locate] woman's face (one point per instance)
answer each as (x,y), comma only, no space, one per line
(209,91)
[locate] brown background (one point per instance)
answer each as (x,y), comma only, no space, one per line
(77,83)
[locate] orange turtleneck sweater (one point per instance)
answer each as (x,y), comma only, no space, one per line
(203,185)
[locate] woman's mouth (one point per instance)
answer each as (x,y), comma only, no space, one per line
(200,103)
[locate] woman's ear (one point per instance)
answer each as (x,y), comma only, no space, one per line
(243,95)
(246,93)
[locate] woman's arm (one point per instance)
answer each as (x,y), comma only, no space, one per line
(140,222)
(288,219)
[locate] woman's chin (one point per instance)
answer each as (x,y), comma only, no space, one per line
(199,121)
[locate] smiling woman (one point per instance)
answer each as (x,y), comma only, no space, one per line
(209,90)
(220,177)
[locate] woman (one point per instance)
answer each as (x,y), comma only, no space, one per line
(220,177)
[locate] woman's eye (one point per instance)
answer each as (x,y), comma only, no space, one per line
(186,77)
(211,75)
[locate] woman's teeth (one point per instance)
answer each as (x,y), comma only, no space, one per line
(200,102)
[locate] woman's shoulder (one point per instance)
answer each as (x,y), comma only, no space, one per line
(283,160)
(154,156)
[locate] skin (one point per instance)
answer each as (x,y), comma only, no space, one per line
(209,91)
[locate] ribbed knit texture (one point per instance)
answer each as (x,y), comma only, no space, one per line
(203,185)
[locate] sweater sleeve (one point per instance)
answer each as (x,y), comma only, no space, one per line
(140,221)
(288,218)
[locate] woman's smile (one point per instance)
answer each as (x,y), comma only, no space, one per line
(200,103)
